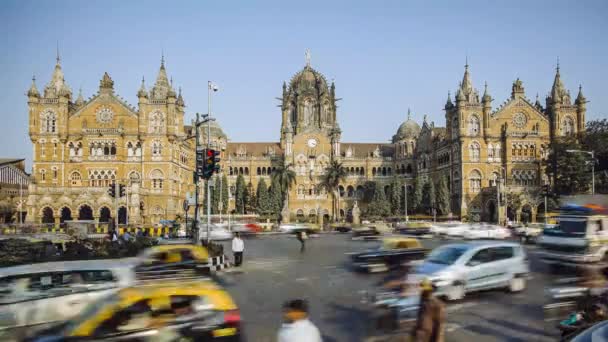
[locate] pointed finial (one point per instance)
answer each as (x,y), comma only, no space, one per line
(307,57)
(171,81)
(537,98)
(485,86)
(162,58)
(34,78)
(179,90)
(466,62)
(58,58)
(143,80)
(409,114)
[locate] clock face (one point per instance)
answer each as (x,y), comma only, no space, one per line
(312,142)
(519,120)
(105,115)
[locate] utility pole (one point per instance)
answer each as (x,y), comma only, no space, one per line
(497,200)
(117,193)
(209,86)
(196,177)
(220,204)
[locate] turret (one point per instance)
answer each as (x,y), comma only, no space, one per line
(448,103)
(80,100)
(142,92)
(487,108)
(517,90)
(33,93)
(581,109)
(538,105)
(180,99)
(106,85)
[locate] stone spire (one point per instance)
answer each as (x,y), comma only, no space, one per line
(57,86)
(409,114)
(558,89)
(161,86)
(537,104)
(486,96)
(80,99)
(142,92)
(448,103)
(580,99)
(33,92)
(171,92)
(467,84)
(180,99)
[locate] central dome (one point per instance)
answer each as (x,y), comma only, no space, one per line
(408,130)
(308,78)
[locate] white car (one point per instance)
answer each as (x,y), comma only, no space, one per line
(441,228)
(456,230)
(293,227)
(37,295)
(486,232)
(216,233)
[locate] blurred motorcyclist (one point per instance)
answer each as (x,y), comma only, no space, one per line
(430,326)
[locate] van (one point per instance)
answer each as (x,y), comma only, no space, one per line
(457,269)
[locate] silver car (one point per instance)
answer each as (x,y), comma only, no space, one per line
(457,269)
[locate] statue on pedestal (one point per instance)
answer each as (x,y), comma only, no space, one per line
(356,214)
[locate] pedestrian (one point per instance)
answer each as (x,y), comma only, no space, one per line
(238,246)
(301,236)
(126,236)
(139,233)
(430,325)
(297,327)
(113,235)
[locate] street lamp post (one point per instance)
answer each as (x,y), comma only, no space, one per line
(210,88)
(405,202)
(592,154)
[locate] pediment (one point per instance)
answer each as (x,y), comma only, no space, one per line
(521,104)
(122,107)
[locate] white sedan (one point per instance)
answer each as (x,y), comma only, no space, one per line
(216,233)
(456,230)
(487,232)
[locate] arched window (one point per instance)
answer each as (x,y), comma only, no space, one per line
(75,178)
(43,175)
(113,150)
(473,125)
(373,171)
(475,181)
(156,148)
(259,171)
(138,149)
(157,122)
(341,190)
(490,152)
(350,191)
(474,151)
(409,168)
(568,126)
(246,171)
(48,122)
(362,171)
(301,190)
(130,151)
(157,177)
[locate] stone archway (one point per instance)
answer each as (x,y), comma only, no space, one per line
(104,215)
(491,212)
(526,214)
(511,215)
(48,216)
(66,215)
(122,215)
(85,212)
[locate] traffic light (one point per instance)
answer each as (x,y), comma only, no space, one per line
(112,191)
(200,162)
(122,190)
(212,160)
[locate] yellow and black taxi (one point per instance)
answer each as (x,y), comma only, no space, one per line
(392,253)
(168,260)
(165,311)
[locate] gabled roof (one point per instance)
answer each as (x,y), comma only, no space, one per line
(510,102)
(254,149)
(130,109)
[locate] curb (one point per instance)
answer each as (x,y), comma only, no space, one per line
(219,263)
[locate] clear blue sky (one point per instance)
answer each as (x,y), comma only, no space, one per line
(385,56)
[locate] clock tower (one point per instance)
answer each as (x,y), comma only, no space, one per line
(310,135)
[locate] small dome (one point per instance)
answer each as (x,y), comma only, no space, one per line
(408,129)
(308,78)
(215,129)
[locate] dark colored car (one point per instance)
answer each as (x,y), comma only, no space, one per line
(413,228)
(365,233)
(393,253)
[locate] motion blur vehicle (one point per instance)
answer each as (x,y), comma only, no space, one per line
(529,233)
(413,228)
(454,230)
(216,232)
(293,228)
(579,240)
(171,261)
(392,253)
(365,232)
(196,310)
(486,231)
(457,269)
(36,295)
(246,229)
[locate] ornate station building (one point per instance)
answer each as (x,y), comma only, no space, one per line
(82,146)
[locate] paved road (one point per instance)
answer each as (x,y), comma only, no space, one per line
(274,271)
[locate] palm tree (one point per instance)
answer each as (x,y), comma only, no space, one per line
(334,174)
(286,177)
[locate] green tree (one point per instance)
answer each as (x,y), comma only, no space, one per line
(249,199)
(571,172)
(416,203)
(276,198)
(285,177)
(215,195)
(239,196)
(263,199)
(395,197)
(596,139)
(378,206)
(428,197)
(225,194)
(442,198)
(331,179)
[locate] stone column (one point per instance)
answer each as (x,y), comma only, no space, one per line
(96,218)
(57,220)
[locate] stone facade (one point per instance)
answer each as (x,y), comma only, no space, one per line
(81,146)
(14,182)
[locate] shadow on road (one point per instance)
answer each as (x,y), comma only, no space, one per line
(351,320)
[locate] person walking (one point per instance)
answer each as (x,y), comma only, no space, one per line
(301,236)
(238,246)
(430,326)
(297,327)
